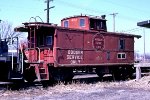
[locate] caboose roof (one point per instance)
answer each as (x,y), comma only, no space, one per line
(88,16)
(25,27)
(123,34)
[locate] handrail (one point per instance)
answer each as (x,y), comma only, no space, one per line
(54,54)
(39,49)
(22,57)
(32,18)
(12,61)
(39,54)
(46,48)
(35,49)
(39,18)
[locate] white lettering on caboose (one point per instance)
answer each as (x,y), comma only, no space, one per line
(75,56)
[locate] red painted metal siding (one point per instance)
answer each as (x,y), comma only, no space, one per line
(74,22)
(67,43)
(76,47)
(112,45)
(69,39)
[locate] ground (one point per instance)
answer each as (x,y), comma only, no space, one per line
(125,90)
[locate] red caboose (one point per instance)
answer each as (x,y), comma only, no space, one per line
(82,42)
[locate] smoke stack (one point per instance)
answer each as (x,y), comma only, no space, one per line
(103,16)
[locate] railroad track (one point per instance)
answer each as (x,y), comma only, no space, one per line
(78,78)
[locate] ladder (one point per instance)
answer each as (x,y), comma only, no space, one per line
(33,54)
(32,40)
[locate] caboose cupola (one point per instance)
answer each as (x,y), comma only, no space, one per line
(98,23)
(85,22)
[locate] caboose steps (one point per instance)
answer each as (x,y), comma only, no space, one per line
(43,74)
(17,78)
(41,70)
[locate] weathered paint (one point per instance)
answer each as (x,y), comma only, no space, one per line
(76,46)
(82,41)
(74,22)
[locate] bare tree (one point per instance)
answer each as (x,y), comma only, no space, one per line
(7,31)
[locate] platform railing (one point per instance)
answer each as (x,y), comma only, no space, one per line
(138,66)
(11,44)
(37,49)
(22,57)
(44,48)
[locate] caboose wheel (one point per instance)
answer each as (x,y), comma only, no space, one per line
(128,72)
(123,72)
(116,73)
(16,85)
(29,74)
(99,72)
(61,74)
(64,74)
(119,73)
(45,84)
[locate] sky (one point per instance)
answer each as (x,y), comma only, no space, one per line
(129,13)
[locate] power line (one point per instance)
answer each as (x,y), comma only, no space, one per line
(69,4)
(127,6)
(132,30)
(121,16)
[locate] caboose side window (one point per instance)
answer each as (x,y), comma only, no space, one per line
(121,44)
(49,40)
(82,22)
(121,56)
(66,23)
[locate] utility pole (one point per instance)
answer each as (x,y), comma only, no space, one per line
(144,44)
(114,15)
(0,29)
(48,8)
